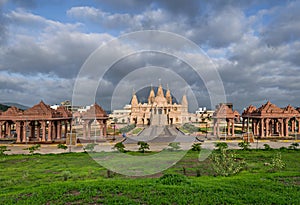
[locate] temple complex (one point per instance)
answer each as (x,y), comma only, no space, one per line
(224,115)
(160,109)
(39,123)
(270,120)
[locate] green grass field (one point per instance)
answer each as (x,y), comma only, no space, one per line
(75,178)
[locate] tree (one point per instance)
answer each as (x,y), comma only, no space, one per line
(119,146)
(143,146)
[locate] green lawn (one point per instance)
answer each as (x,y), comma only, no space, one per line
(75,178)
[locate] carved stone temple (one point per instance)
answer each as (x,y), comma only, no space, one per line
(159,110)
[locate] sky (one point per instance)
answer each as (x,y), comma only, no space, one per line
(254,47)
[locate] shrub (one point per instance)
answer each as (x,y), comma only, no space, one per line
(221,145)
(174,146)
(196,147)
(244,145)
(267,147)
(66,175)
(143,146)
(294,145)
(190,128)
(277,163)
(3,149)
(62,146)
(119,146)
(89,147)
(33,148)
(225,163)
(173,179)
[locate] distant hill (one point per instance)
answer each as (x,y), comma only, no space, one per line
(3,107)
(9,104)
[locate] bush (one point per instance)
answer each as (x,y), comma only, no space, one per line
(267,147)
(143,146)
(196,147)
(33,148)
(294,145)
(244,145)
(221,145)
(173,179)
(3,149)
(174,146)
(119,146)
(226,164)
(62,146)
(89,147)
(277,163)
(66,175)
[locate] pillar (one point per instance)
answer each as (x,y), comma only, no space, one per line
(293,124)
(218,127)
(54,132)
(228,126)
(1,126)
(262,132)
(24,131)
(18,130)
(66,127)
(243,124)
(254,129)
(49,138)
(281,133)
(104,129)
(286,127)
(43,123)
(267,122)
(32,129)
(58,129)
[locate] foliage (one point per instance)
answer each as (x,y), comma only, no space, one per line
(226,163)
(143,146)
(267,147)
(89,147)
(277,163)
(196,147)
(3,149)
(244,145)
(62,146)
(127,128)
(174,146)
(66,175)
(173,179)
(221,145)
(190,128)
(33,148)
(294,145)
(119,146)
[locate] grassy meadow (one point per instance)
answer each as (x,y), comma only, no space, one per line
(75,178)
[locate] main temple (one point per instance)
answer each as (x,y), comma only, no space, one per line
(160,109)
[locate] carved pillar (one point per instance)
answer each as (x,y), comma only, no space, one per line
(25,124)
(18,130)
(66,127)
(215,127)
(286,127)
(59,129)
(281,132)
(44,123)
(298,119)
(54,133)
(8,130)
(293,122)
(276,126)
(262,131)
(1,127)
(267,121)
(50,129)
